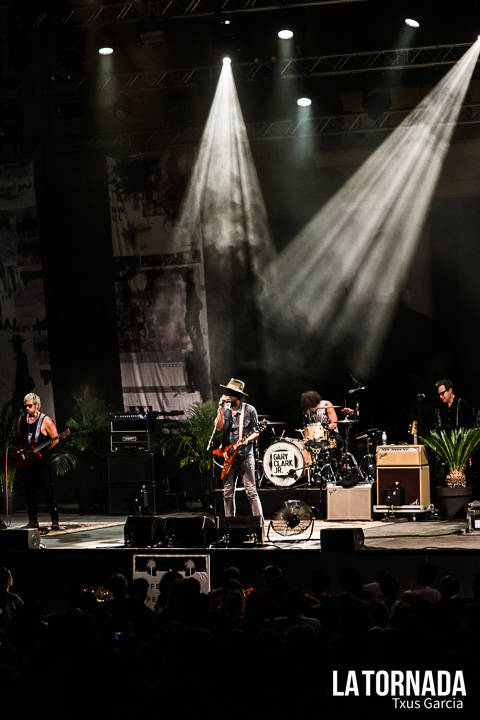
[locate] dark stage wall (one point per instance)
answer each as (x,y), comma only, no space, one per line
(77,257)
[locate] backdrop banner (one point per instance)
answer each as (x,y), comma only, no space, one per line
(159,285)
(25,357)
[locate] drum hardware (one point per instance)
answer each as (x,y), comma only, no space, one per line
(349,473)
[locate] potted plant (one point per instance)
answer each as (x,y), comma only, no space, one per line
(189,443)
(85,448)
(455,448)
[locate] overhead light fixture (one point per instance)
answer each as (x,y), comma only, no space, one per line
(411,22)
(304,102)
(285,34)
(227,61)
(105,50)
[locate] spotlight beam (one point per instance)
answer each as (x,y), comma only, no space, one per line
(354,254)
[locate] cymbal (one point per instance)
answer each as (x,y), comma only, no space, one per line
(276,422)
(346,421)
(261,415)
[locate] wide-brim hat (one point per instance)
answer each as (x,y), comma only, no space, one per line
(235,387)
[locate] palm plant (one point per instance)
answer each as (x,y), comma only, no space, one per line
(455,448)
(191,439)
(89,424)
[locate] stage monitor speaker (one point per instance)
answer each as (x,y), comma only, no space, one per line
(143,530)
(353,503)
(188,531)
(237,531)
(342,539)
(414,481)
(21,539)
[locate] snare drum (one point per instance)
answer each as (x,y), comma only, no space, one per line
(315,432)
(286,461)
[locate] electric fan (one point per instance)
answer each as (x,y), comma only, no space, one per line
(293,518)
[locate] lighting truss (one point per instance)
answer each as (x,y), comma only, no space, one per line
(130,12)
(319,65)
(328,125)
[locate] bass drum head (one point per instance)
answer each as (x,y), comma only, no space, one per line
(286,461)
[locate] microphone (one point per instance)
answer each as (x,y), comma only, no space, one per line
(354,390)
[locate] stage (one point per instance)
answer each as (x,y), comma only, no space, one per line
(100,532)
(90,548)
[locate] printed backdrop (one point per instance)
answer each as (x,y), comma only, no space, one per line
(159,285)
(25,358)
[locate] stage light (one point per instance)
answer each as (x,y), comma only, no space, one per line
(105,50)
(411,22)
(285,34)
(227,61)
(304,102)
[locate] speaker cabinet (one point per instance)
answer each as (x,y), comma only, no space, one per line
(126,473)
(188,531)
(353,503)
(415,482)
(342,539)
(236,531)
(143,531)
(22,539)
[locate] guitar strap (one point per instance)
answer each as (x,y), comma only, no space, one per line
(240,423)
(39,427)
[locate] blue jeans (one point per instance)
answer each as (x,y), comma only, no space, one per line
(246,470)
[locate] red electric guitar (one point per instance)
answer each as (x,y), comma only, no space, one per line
(26,455)
(228,453)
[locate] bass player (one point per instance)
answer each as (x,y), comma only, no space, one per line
(33,428)
(238,421)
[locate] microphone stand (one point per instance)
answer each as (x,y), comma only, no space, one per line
(209,445)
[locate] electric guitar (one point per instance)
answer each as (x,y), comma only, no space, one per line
(228,453)
(26,455)
(413,430)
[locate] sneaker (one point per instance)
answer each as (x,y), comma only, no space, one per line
(30,525)
(55,525)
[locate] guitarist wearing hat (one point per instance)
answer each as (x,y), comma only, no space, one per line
(239,421)
(34,428)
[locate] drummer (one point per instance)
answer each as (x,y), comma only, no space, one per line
(316,410)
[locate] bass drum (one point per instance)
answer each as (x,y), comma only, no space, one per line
(286,461)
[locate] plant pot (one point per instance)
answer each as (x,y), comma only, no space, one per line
(11,503)
(453,501)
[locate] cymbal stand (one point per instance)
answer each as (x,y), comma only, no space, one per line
(347,459)
(367,463)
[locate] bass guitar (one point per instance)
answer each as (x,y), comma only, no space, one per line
(228,453)
(26,455)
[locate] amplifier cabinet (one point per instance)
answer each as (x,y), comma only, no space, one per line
(415,482)
(126,473)
(400,455)
(353,503)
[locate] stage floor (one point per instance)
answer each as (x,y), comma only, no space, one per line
(88,532)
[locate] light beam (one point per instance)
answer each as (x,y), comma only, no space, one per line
(341,277)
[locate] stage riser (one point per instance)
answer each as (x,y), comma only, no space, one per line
(272,499)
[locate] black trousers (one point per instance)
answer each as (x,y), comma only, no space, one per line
(39,477)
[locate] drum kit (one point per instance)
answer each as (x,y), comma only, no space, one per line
(321,456)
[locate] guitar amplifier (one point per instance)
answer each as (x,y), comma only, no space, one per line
(412,482)
(353,503)
(130,441)
(401,455)
(130,432)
